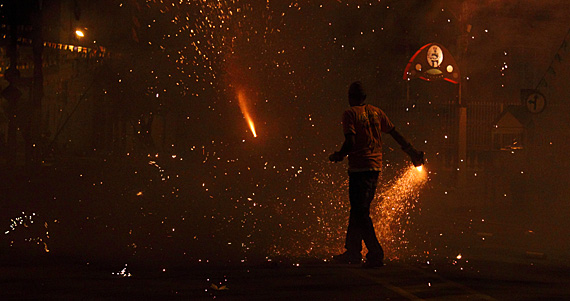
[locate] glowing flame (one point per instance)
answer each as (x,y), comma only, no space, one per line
(251,126)
(420,168)
(244,110)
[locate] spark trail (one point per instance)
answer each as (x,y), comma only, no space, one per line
(391,213)
(245,111)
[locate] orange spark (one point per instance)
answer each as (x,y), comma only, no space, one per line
(391,212)
(245,111)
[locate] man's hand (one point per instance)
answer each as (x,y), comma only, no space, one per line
(336,157)
(416,156)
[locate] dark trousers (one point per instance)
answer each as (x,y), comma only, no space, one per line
(361,190)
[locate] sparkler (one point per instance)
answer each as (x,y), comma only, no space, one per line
(392,211)
(391,214)
(245,111)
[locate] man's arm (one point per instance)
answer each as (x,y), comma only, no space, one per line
(349,141)
(416,156)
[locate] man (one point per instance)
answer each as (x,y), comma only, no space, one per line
(362,125)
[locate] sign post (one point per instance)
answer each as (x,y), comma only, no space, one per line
(433,62)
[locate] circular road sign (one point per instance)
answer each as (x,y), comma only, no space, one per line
(535,102)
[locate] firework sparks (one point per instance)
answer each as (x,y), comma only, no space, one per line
(124,273)
(32,234)
(391,216)
(245,111)
(392,211)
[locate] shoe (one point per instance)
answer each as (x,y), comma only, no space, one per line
(346,258)
(373,264)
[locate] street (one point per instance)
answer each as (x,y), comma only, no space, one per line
(58,280)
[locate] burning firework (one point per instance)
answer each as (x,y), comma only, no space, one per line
(245,111)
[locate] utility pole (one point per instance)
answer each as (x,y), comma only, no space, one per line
(37,84)
(462,44)
(12,93)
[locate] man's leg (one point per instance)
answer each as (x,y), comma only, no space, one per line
(353,242)
(362,188)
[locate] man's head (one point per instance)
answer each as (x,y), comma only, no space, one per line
(356,94)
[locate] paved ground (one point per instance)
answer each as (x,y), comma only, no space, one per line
(59,280)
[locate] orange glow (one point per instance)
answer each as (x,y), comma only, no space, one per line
(245,111)
(251,126)
(420,168)
(391,212)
